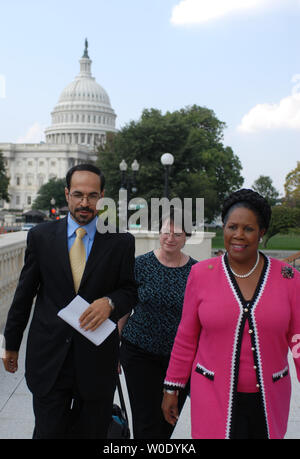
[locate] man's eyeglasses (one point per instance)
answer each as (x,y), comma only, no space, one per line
(92,197)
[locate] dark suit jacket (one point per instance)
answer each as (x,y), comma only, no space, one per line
(47,274)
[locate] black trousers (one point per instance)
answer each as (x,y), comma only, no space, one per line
(249,420)
(63,414)
(145,374)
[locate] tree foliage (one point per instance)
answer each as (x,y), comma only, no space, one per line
(55,188)
(264,186)
(283,218)
(202,167)
(287,215)
(292,187)
(4,180)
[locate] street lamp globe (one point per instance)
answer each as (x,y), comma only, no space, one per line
(123,165)
(135,166)
(167,159)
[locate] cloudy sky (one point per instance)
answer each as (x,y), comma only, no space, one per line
(240,58)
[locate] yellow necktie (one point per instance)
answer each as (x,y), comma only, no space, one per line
(78,257)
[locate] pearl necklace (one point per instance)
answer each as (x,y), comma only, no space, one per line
(243,276)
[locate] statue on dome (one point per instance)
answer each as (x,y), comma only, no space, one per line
(85,54)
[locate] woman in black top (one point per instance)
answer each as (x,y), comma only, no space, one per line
(148,336)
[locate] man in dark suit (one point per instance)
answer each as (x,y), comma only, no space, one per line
(71,379)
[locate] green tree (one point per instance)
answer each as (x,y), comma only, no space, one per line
(292,187)
(203,167)
(264,186)
(283,218)
(4,180)
(55,188)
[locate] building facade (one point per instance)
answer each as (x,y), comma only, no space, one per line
(80,121)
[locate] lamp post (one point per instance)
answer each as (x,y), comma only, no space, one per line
(167,160)
(52,213)
(127,182)
(135,168)
(123,169)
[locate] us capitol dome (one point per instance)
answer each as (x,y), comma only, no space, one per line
(80,121)
(83,113)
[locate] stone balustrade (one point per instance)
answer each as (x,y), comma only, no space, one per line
(12,250)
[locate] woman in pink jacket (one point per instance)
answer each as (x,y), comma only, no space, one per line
(241,315)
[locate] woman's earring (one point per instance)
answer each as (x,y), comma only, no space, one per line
(261,239)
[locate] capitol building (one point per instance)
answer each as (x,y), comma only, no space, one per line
(80,121)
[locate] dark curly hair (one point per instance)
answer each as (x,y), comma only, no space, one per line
(251,200)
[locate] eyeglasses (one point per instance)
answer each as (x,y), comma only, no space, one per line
(92,197)
(176,235)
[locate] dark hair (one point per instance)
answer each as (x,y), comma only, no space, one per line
(85,167)
(180,217)
(252,201)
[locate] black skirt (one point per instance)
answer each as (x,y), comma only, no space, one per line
(249,419)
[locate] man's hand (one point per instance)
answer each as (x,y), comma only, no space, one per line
(95,314)
(10,361)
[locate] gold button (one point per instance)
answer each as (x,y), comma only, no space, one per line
(252,348)
(246,310)
(255,367)
(257,385)
(250,331)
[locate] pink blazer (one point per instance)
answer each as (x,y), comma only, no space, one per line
(209,337)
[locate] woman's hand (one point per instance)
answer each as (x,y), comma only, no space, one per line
(10,361)
(119,368)
(170,408)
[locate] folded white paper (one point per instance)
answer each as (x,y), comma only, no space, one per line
(73,311)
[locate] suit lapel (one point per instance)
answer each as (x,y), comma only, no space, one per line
(98,247)
(60,244)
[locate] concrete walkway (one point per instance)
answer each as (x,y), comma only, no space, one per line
(16,417)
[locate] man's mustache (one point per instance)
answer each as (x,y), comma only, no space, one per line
(86,209)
